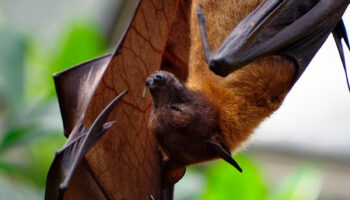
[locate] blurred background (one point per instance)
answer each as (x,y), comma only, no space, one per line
(301,152)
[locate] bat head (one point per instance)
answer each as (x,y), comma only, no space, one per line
(165,88)
(160,80)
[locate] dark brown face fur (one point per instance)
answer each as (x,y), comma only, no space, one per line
(166,89)
(185,125)
(182,121)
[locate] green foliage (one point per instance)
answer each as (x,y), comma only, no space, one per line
(225,182)
(41,155)
(14,191)
(304,184)
(30,124)
(192,185)
(12,50)
(1,19)
(79,42)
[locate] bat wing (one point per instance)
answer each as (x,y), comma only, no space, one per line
(75,88)
(292,28)
(68,160)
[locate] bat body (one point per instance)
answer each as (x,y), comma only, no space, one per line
(185,124)
(274,42)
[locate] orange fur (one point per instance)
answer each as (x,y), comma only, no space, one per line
(248,95)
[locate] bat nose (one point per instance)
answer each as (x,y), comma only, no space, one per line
(154,79)
(158,77)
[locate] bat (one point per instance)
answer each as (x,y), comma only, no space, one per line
(229,91)
(159,36)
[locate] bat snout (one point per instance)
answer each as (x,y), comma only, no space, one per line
(154,81)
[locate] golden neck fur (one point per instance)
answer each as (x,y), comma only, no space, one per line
(247,96)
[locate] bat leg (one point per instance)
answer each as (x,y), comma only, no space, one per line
(203,31)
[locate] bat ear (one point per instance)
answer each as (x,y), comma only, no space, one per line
(221,150)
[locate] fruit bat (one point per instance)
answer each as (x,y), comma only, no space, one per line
(229,91)
(161,30)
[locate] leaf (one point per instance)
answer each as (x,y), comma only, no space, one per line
(191,185)
(40,154)
(81,41)
(14,136)
(1,18)
(224,182)
(78,42)
(304,184)
(28,123)
(30,160)
(15,191)
(12,52)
